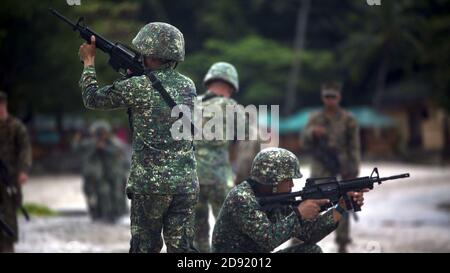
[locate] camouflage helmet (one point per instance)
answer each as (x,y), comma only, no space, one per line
(223,71)
(160,40)
(274,165)
(100,126)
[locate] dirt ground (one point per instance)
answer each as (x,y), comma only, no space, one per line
(408,215)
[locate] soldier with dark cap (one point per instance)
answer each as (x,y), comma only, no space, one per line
(15,163)
(163,184)
(332,136)
(243,226)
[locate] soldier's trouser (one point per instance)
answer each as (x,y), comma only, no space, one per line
(91,197)
(343,231)
(8,212)
(214,195)
(172,214)
(302,248)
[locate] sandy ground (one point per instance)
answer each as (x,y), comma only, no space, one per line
(409,215)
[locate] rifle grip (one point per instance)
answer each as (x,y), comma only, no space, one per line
(351,205)
(348,202)
(356,207)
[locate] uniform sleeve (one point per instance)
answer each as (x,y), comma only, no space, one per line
(354,148)
(24,148)
(317,229)
(254,223)
(119,95)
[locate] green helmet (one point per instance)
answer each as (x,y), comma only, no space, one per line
(160,40)
(274,165)
(223,71)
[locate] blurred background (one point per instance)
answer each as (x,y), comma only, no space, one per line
(393,61)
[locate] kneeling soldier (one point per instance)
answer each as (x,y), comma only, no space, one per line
(242,225)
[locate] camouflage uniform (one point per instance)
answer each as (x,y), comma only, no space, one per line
(243,226)
(247,150)
(213,165)
(15,153)
(103,174)
(163,182)
(342,135)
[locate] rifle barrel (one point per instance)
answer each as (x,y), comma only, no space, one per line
(62,17)
(403,175)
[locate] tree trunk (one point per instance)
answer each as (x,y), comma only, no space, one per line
(299,44)
(381,79)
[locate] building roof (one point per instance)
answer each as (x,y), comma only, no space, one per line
(366,116)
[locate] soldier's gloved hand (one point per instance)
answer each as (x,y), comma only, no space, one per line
(87,52)
(309,209)
(358,197)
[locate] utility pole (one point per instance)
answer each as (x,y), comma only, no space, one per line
(299,44)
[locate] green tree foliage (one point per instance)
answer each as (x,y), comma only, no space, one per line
(369,48)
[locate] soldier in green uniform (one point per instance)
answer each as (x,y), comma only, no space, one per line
(163,184)
(213,164)
(242,225)
(103,159)
(15,161)
(332,136)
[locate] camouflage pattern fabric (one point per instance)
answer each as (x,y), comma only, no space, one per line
(152,213)
(342,132)
(274,165)
(213,169)
(160,164)
(243,227)
(160,40)
(162,168)
(213,163)
(15,153)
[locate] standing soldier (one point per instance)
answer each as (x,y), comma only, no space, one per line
(163,185)
(103,172)
(213,163)
(332,136)
(243,226)
(15,162)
